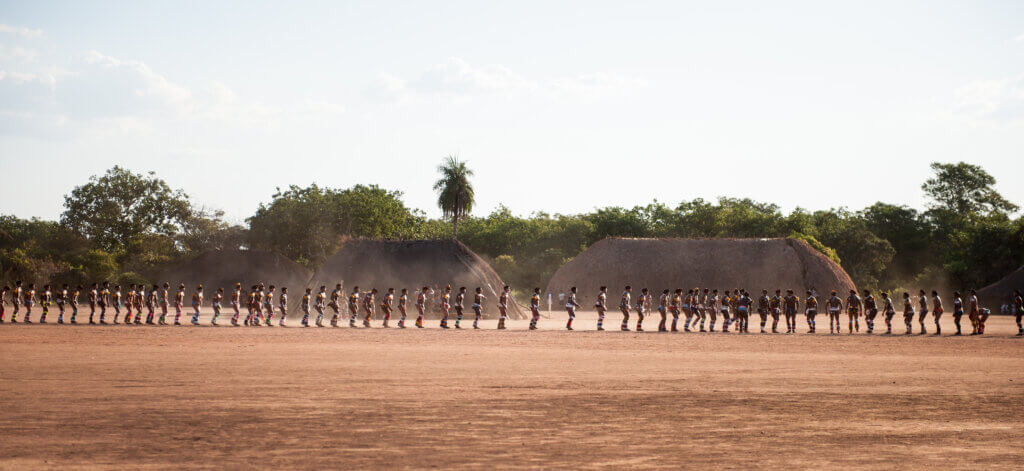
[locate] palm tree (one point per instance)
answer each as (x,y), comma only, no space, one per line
(454,192)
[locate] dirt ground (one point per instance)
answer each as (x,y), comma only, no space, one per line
(170,397)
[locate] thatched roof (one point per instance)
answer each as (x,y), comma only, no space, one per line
(413,264)
(751,264)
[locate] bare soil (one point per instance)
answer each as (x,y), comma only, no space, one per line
(170,397)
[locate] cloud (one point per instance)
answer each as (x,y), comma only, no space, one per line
(387,88)
(101,86)
(1020,38)
(17,54)
(21,31)
(95,94)
(456,78)
(998,100)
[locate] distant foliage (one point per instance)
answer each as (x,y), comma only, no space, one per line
(308,224)
(455,195)
(828,251)
(121,223)
(112,209)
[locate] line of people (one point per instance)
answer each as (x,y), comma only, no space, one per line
(259,303)
(704,307)
(699,309)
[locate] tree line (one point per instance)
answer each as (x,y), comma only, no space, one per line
(119,225)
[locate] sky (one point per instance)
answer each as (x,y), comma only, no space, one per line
(557,106)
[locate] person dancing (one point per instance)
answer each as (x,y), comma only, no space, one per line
(403,300)
(535,308)
(478,300)
(570,307)
(503,299)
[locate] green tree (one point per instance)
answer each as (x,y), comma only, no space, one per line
(910,236)
(964,189)
(205,230)
(455,194)
(113,209)
(864,255)
(308,224)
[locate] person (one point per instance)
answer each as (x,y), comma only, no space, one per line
(421,301)
(104,302)
(236,303)
(725,308)
(62,300)
(140,299)
(689,309)
(3,302)
(305,307)
(983,313)
(743,304)
(776,309)
(937,311)
(215,301)
(974,313)
(369,306)
(93,296)
(535,308)
(853,307)
(789,307)
(811,311)
(673,307)
(1018,312)
(179,303)
(478,300)
(282,305)
(403,300)
(908,313)
(641,307)
(890,311)
(663,301)
(45,298)
(250,306)
(16,297)
(460,298)
(335,306)
(268,306)
(697,307)
(922,312)
(445,305)
(129,298)
(734,307)
(197,303)
(353,306)
(257,306)
(151,304)
(30,300)
(503,299)
(870,311)
(762,309)
(164,303)
(386,305)
(958,311)
(625,307)
(833,305)
(712,310)
(321,303)
(601,305)
(570,307)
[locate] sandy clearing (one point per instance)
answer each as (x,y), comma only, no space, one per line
(149,397)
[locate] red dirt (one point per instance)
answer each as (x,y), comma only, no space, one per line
(171,397)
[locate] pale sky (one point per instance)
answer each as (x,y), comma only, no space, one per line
(559,106)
